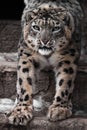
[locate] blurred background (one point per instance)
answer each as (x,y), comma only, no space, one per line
(11,9)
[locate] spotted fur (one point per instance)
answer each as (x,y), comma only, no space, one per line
(51,36)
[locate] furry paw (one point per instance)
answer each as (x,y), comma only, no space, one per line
(56,113)
(20,115)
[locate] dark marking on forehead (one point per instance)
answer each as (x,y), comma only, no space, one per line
(48,13)
(49,22)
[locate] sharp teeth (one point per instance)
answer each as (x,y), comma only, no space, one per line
(44,51)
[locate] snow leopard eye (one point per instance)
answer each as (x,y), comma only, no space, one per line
(36,28)
(56,29)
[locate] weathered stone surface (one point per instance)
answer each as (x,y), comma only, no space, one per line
(41,123)
(7,74)
(9,35)
(84,26)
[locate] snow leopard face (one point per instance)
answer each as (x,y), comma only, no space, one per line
(48,29)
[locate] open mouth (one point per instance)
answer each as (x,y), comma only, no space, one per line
(45,50)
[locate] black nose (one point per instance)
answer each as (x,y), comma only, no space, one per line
(45,41)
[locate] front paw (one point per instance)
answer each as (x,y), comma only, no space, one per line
(20,115)
(56,113)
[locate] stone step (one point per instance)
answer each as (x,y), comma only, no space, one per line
(41,123)
(10,32)
(8,67)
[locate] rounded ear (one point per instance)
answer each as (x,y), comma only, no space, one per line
(26,2)
(69,21)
